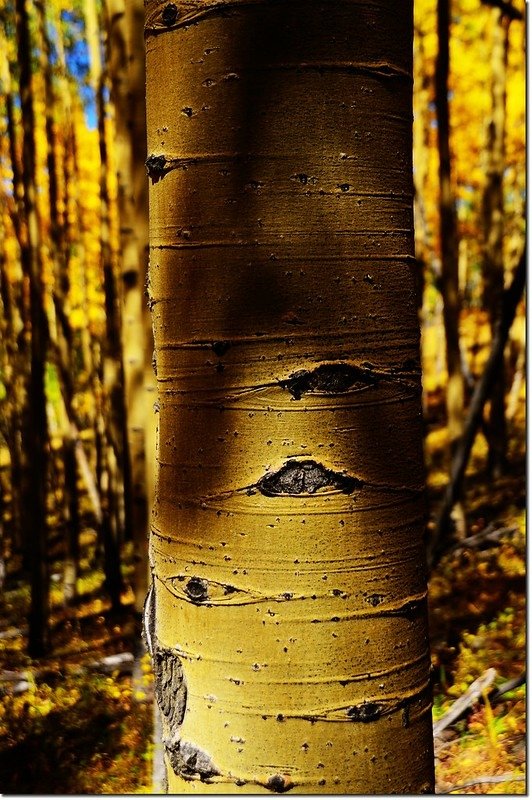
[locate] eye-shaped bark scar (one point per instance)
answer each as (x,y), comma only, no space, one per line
(330,379)
(305,477)
(201,591)
(209,593)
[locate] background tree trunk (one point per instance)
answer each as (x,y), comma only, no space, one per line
(448,234)
(139,182)
(126,58)
(449,248)
(62,327)
(35,426)
(15,297)
(113,451)
(493,230)
(288,616)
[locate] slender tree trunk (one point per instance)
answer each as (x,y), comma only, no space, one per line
(61,286)
(112,447)
(125,21)
(421,157)
(19,345)
(450,279)
(288,616)
(126,38)
(105,484)
(493,230)
(8,406)
(448,234)
(35,429)
(139,180)
(113,366)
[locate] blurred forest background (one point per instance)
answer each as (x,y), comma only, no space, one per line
(77,415)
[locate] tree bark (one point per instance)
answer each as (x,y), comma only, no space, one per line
(112,448)
(139,180)
(60,292)
(16,318)
(422,96)
(448,234)
(126,63)
(493,231)
(288,616)
(35,427)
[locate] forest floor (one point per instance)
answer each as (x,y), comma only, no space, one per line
(70,723)
(477,596)
(69,727)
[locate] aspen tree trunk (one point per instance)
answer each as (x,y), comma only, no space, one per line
(125,27)
(493,229)
(287,618)
(118,462)
(112,446)
(35,425)
(8,364)
(139,181)
(13,328)
(63,330)
(126,49)
(448,234)
(421,157)
(452,302)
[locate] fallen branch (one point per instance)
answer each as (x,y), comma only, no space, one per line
(463,703)
(12,682)
(118,662)
(507,778)
(499,691)
(511,298)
